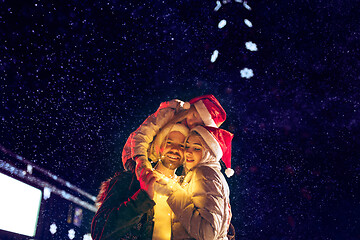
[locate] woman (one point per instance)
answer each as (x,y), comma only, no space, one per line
(201,205)
(203,110)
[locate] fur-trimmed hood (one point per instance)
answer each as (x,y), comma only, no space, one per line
(104,189)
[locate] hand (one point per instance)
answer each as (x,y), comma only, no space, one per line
(162,189)
(159,177)
(165,186)
(147,180)
(141,163)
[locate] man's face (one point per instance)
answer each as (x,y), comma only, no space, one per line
(173,150)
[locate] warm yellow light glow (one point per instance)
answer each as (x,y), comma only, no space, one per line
(162,218)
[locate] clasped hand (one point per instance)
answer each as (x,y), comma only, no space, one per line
(153,181)
(164,185)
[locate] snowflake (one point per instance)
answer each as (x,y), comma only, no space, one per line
(71,233)
(251,46)
(87,237)
(247,73)
(53,228)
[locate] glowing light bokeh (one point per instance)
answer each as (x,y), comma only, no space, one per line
(47,193)
(87,237)
(247,73)
(71,233)
(248,23)
(53,228)
(218,6)
(222,23)
(246,6)
(251,46)
(214,56)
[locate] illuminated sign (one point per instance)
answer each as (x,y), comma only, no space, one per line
(19,206)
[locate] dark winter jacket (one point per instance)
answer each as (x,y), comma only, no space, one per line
(125,211)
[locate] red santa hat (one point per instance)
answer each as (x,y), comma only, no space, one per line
(219,142)
(209,109)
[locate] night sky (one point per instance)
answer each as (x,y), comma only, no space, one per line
(77,77)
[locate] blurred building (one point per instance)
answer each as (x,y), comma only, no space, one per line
(37,204)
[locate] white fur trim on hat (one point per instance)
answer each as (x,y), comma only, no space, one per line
(229,172)
(178,127)
(210,141)
(204,114)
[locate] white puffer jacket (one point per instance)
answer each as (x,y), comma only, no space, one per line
(138,143)
(202,206)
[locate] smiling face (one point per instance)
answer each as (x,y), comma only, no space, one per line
(194,148)
(172,151)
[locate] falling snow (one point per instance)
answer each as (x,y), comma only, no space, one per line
(77,78)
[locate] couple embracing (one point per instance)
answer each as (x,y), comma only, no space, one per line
(172,186)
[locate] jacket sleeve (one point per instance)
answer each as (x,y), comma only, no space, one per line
(139,141)
(200,211)
(117,214)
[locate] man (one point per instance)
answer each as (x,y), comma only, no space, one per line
(203,110)
(129,208)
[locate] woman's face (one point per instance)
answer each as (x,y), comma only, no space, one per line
(193,151)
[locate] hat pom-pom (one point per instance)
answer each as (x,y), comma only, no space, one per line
(229,172)
(186,105)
